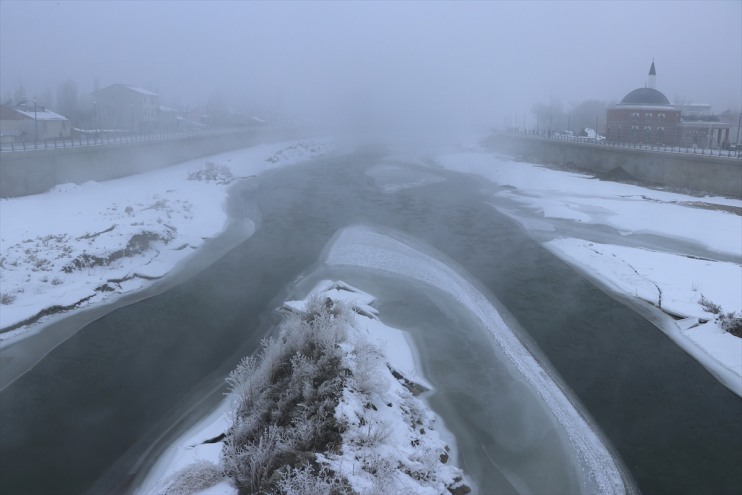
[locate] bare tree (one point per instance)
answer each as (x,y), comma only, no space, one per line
(67,100)
(588,114)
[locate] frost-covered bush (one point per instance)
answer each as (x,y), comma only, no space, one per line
(7,298)
(297,150)
(305,480)
(373,434)
(212,172)
(730,322)
(194,478)
(368,357)
(709,306)
(250,462)
(284,399)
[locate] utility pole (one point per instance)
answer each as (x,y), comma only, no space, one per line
(35,124)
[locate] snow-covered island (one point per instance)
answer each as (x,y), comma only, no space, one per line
(328,406)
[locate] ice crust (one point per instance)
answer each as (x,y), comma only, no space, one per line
(364,247)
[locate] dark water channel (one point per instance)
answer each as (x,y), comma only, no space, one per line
(83,417)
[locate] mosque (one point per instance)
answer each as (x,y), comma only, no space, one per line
(646,116)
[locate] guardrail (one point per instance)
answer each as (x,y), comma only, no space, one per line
(103,138)
(718,152)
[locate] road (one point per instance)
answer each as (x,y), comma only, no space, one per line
(86,417)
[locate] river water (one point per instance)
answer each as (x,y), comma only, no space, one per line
(85,418)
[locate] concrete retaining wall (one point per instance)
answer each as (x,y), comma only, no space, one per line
(716,175)
(33,172)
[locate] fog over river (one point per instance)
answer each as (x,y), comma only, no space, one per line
(95,412)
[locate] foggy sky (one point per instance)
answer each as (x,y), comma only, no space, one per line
(477,60)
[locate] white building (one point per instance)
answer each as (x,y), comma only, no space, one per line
(24,124)
(121,107)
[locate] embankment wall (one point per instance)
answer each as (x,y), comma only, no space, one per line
(32,172)
(716,175)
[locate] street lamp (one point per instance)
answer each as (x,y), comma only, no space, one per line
(97,128)
(131,112)
(739,122)
(35,124)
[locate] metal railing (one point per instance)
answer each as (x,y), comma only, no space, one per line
(715,152)
(107,138)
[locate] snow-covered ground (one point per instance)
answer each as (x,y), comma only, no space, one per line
(79,245)
(657,247)
(391,443)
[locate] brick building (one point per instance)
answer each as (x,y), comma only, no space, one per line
(646,116)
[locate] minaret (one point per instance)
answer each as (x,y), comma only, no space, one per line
(652,76)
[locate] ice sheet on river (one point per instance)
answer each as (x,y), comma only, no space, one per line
(363,247)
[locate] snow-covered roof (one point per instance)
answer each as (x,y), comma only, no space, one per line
(140,90)
(44,114)
(131,87)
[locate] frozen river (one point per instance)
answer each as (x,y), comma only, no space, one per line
(87,416)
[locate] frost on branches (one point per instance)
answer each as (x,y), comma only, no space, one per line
(321,410)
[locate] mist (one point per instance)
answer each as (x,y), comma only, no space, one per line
(425,165)
(397,66)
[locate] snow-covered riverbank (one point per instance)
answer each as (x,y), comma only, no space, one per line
(598,227)
(79,245)
(665,249)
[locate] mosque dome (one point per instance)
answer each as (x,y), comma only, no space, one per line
(645,96)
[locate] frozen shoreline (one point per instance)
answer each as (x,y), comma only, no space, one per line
(600,228)
(681,318)
(78,246)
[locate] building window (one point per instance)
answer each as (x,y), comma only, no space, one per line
(661,116)
(661,135)
(635,116)
(647,134)
(634,133)
(648,116)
